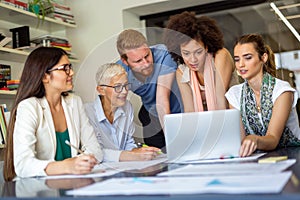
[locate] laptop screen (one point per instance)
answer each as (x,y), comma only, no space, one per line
(202,135)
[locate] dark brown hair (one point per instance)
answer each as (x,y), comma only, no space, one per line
(260,48)
(182,28)
(37,64)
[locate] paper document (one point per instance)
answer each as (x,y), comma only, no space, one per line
(244,184)
(230,169)
(111,168)
(133,165)
(95,173)
(222,160)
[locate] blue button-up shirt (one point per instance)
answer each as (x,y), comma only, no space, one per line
(116,136)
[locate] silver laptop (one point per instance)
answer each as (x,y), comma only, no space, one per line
(202,135)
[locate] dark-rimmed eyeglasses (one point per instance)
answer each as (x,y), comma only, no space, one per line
(66,67)
(119,88)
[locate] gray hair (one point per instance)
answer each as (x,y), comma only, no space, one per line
(107,71)
(130,39)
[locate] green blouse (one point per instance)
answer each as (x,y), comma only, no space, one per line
(63,150)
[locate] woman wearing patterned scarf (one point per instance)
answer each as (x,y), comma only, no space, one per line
(267,104)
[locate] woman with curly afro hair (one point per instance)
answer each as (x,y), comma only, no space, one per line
(205,66)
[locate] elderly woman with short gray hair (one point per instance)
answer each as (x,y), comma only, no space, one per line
(111,115)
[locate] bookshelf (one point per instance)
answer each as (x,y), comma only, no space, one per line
(4,92)
(18,16)
(22,53)
(14,51)
(11,17)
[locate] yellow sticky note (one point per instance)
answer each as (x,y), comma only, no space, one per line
(272,159)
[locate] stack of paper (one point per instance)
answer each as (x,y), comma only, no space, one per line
(230,169)
(111,168)
(187,185)
(227,178)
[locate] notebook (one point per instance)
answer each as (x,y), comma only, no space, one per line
(202,135)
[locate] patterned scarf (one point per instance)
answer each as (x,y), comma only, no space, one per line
(250,117)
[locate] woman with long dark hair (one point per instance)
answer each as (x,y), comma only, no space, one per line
(44,116)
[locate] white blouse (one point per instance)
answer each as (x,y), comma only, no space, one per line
(234,97)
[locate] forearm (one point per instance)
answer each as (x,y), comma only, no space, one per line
(186,93)
(57,167)
(161,111)
(163,92)
(126,156)
(267,142)
(81,164)
(225,66)
(280,114)
(253,142)
(143,153)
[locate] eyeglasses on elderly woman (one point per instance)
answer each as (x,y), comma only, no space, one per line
(119,87)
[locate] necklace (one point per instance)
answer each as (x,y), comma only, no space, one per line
(257,99)
(258,108)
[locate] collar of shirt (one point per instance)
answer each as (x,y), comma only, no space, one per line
(100,112)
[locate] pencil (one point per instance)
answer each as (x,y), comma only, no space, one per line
(71,145)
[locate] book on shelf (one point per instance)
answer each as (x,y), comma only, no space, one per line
(64,19)
(2,139)
(4,40)
(21,4)
(60,6)
(56,11)
(51,38)
(60,44)
(5,75)
(20,37)
(63,47)
(54,41)
(57,15)
(63,13)
(3,125)
(13,84)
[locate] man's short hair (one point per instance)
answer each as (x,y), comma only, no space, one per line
(130,39)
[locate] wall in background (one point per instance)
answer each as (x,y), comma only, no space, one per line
(98,24)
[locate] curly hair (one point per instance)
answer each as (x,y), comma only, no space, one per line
(182,28)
